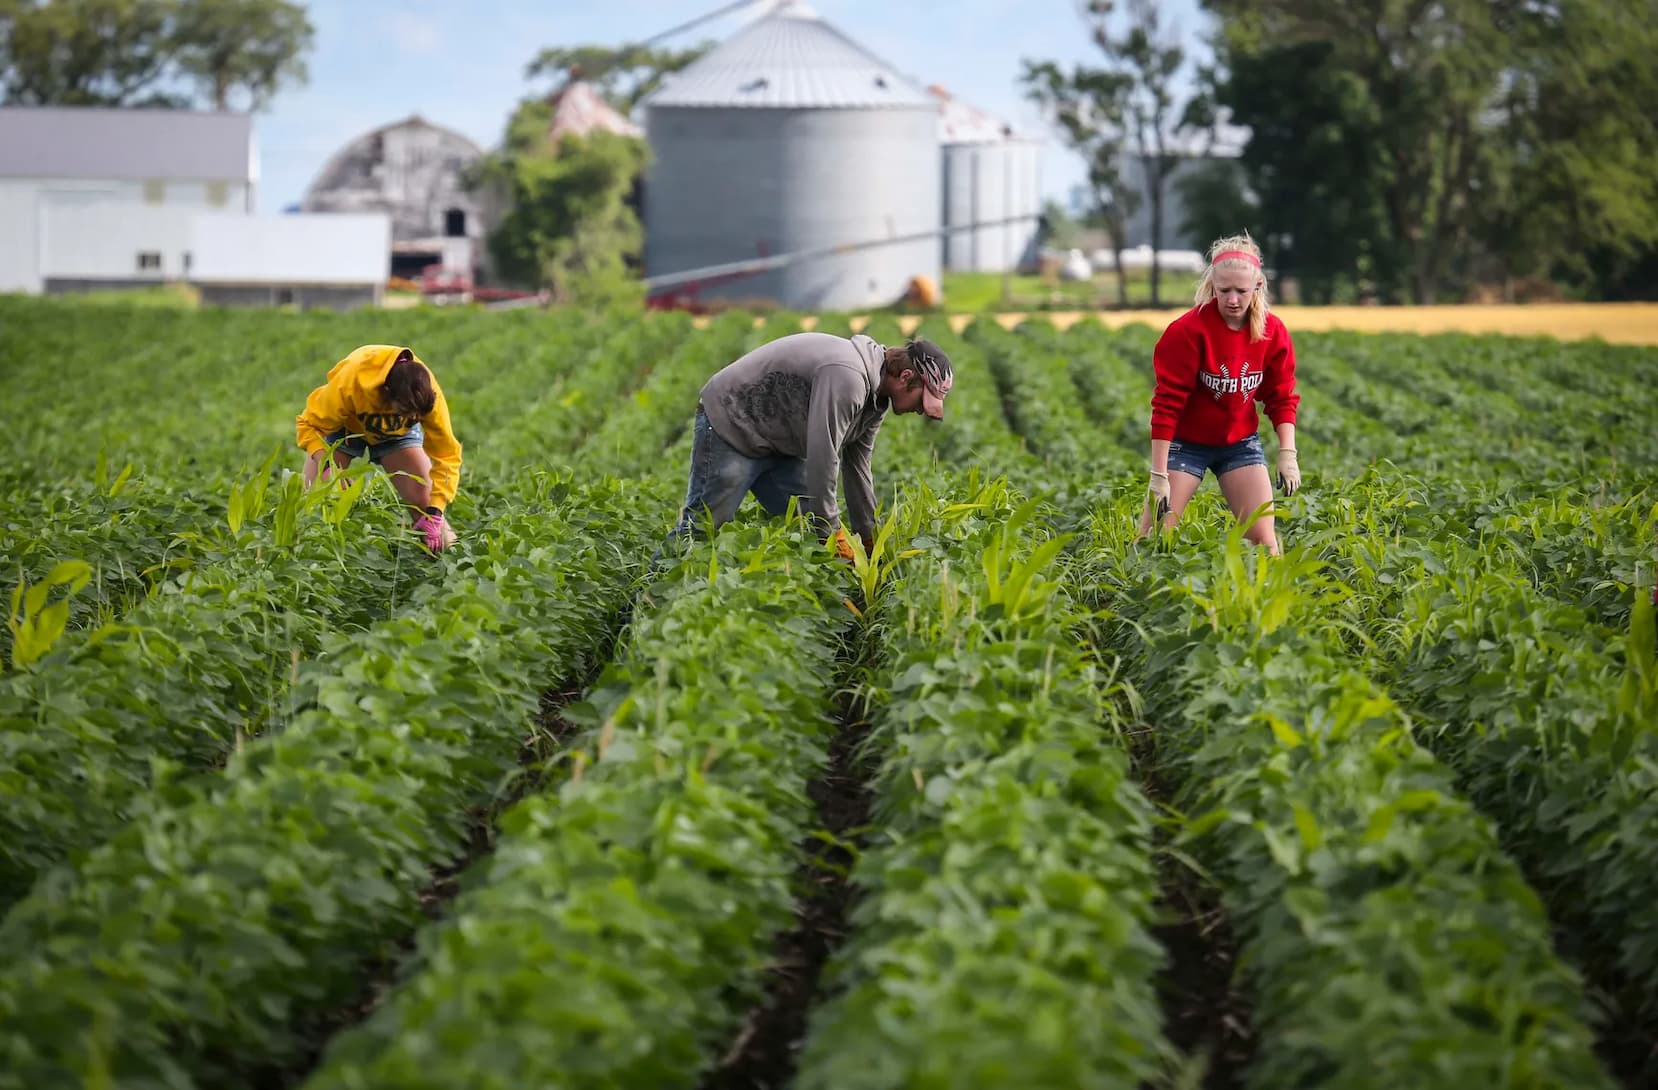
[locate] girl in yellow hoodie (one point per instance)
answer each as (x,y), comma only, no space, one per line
(383,401)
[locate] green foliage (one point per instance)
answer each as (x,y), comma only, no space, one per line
(1420,150)
(666,856)
(135,52)
(568,227)
(1547,717)
(36,625)
(1386,935)
(184,679)
(308,855)
(1012,853)
(622,75)
(1413,757)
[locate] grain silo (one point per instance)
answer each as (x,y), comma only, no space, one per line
(992,178)
(791,138)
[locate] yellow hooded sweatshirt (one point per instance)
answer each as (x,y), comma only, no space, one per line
(350,401)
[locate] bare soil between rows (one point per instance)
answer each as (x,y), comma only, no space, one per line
(765,1053)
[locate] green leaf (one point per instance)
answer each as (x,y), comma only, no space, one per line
(1283,732)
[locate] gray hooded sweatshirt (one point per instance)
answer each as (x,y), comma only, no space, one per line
(810,396)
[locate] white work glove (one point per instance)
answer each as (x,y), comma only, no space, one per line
(1158,497)
(1289,471)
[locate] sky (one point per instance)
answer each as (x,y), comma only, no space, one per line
(375,62)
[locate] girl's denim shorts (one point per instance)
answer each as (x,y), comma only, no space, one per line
(1196,458)
(356,445)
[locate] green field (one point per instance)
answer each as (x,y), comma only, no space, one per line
(1014,802)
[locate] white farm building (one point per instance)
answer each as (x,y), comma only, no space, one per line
(70,175)
(95,198)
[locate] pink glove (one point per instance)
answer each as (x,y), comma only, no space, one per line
(435,531)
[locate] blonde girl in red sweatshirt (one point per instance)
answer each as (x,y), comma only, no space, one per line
(1213,364)
(383,401)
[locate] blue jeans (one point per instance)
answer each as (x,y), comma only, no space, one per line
(721,476)
(356,447)
(1195,458)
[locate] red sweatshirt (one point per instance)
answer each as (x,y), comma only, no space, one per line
(1209,376)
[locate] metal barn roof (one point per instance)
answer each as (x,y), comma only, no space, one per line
(790,59)
(103,143)
(579,109)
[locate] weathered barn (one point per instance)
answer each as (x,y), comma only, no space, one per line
(416,173)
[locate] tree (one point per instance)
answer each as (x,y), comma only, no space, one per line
(568,227)
(1088,106)
(1125,108)
(85,52)
(140,52)
(1150,61)
(623,76)
(1314,165)
(1462,138)
(1577,199)
(253,45)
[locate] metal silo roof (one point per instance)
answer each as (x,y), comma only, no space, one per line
(960,123)
(790,59)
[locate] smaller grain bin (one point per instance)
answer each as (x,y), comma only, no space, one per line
(789,138)
(992,189)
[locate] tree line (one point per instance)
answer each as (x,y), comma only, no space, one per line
(1402,150)
(219,54)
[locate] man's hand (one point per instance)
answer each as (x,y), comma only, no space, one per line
(1289,471)
(1158,497)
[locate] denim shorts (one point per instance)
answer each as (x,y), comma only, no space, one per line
(1195,458)
(356,446)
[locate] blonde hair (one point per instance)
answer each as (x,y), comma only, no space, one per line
(1258,301)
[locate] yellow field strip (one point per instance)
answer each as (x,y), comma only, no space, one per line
(1615,323)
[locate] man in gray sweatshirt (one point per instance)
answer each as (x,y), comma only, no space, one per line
(782,420)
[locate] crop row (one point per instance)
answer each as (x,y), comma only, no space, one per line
(188,676)
(186,949)
(1003,936)
(625,921)
(1389,940)
(1549,718)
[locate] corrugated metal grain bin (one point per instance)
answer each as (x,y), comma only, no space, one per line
(790,137)
(992,175)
